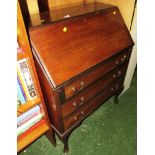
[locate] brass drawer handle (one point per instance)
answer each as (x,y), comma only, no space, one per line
(82,113)
(114,89)
(125,56)
(116,86)
(118,62)
(118,74)
(82,98)
(122,60)
(75,118)
(111,89)
(75,104)
(82,101)
(82,85)
(73,89)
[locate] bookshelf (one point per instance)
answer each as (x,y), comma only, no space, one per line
(30,104)
(43,126)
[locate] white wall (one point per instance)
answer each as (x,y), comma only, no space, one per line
(133,59)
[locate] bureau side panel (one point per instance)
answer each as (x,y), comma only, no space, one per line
(51,99)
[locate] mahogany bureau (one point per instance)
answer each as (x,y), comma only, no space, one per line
(81,55)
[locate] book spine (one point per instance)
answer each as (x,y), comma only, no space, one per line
(26,79)
(27,118)
(18,102)
(23,84)
(28,124)
(21,87)
(28,113)
(20,94)
(31,129)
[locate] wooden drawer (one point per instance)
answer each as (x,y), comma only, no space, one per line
(92,105)
(91,91)
(82,82)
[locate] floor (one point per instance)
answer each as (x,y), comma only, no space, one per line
(110,130)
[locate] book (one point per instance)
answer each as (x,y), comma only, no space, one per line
(27,118)
(42,121)
(20,94)
(28,124)
(28,114)
(18,102)
(21,87)
(26,79)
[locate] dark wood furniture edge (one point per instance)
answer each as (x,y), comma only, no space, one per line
(120,89)
(78,16)
(43,67)
(55,94)
(51,81)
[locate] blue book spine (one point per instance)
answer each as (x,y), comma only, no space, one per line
(21,88)
(20,94)
(27,113)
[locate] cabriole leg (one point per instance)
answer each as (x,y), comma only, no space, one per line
(118,92)
(65,142)
(116,99)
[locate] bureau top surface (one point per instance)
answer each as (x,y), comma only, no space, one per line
(71,46)
(56,15)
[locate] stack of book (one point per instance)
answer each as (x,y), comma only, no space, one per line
(28,121)
(25,86)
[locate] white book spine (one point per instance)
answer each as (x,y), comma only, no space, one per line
(23,68)
(28,124)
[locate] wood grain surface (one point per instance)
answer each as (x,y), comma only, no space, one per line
(73,45)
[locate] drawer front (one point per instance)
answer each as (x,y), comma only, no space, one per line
(91,91)
(91,105)
(82,82)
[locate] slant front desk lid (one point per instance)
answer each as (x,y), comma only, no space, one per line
(70,41)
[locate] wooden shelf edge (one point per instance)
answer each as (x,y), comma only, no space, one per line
(31,137)
(36,131)
(30,104)
(21,55)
